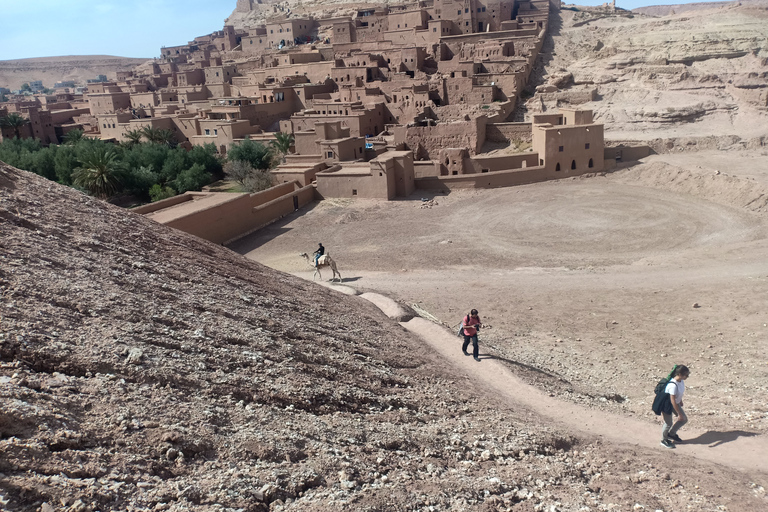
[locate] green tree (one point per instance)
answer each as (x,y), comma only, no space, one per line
(255,153)
(208,157)
(73,137)
(282,143)
(44,163)
(65,162)
(26,88)
(194,178)
(100,172)
(15,121)
(141,180)
(176,161)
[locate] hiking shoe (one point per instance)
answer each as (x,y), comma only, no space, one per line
(675,438)
(666,443)
(465,352)
(476,358)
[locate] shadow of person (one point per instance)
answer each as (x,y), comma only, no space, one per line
(350,279)
(716,438)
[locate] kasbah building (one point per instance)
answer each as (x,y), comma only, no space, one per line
(389,100)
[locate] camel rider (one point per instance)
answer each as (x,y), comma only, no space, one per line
(319,252)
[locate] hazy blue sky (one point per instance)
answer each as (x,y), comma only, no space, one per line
(126,28)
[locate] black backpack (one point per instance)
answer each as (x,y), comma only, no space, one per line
(662,402)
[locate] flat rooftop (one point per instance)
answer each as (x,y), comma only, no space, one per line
(200,201)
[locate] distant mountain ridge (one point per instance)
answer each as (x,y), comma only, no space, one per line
(50,70)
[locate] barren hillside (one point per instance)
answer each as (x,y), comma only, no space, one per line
(144,369)
(13,73)
(699,75)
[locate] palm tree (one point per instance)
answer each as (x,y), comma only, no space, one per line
(150,133)
(15,121)
(73,137)
(165,137)
(282,143)
(134,136)
(100,172)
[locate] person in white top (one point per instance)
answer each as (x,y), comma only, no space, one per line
(676,389)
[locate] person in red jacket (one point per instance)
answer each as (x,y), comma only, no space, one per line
(471,325)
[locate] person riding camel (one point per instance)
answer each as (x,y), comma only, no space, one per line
(319,252)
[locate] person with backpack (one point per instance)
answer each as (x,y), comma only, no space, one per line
(471,325)
(675,388)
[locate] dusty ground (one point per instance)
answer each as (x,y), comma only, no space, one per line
(592,280)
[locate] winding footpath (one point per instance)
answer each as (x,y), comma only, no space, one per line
(743,451)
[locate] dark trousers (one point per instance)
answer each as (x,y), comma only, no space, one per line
(474,344)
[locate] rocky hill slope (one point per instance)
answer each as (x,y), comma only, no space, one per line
(144,369)
(698,73)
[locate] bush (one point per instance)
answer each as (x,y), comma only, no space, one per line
(238,170)
(255,153)
(194,178)
(259,180)
(158,193)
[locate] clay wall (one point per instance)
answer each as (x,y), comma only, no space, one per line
(374,180)
(491,179)
(305,142)
(453,161)
(108,102)
(191,77)
(291,58)
(569,150)
(464,134)
(219,90)
(371,28)
(423,169)
(241,215)
(408,19)
(295,171)
(343,32)
(66,115)
(343,150)
(360,122)
(287,30)
(481,164)
(354,75)
(623,153)
(192,95)
(502,132)
(220,74)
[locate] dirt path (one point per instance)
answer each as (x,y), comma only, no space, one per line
(740,450)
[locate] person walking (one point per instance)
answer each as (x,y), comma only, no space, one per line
(319,252)
(471,326)
(675,389)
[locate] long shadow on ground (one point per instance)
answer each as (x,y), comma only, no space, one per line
(716,437)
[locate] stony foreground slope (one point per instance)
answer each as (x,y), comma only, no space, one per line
(144,369)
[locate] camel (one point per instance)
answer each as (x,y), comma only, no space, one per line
(324,261)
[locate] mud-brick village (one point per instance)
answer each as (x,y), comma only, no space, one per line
(575,197)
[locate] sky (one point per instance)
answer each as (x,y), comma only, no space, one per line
(129,28)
